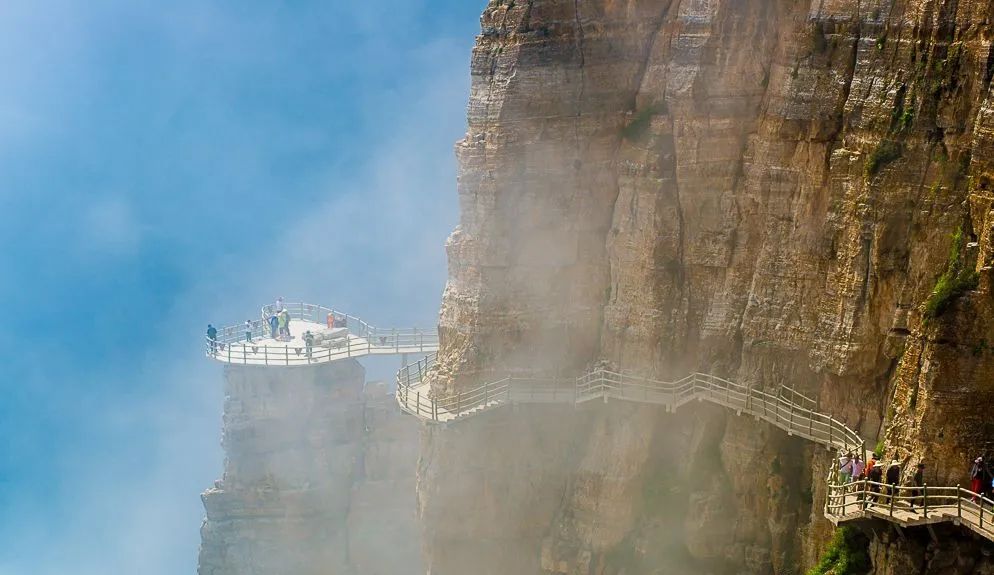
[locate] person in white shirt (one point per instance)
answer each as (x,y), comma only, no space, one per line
(845,468)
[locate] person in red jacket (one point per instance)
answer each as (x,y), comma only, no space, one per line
(977,474)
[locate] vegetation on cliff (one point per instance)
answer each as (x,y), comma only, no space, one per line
(847,554)
(953,283)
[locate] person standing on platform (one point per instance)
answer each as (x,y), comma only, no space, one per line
(309,342)
(977,474)
(248,331)
(918,481)
(845,468)
(875,475)
(858,467)
(893,479)
(284,323)
(274,326)
(212,338)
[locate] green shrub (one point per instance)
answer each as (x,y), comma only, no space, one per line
(886,152)
(847,554)
(906,119)
(953,283)
(882,41)
(879,447)
(639,125)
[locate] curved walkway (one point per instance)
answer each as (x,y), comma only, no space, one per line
(787,410)
(338,336)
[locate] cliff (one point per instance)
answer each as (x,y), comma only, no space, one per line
(319,477)
(784,192)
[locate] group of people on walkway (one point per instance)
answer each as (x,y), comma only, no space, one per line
(883,482)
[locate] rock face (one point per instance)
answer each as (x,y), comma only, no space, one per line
(319,477)
(769,190)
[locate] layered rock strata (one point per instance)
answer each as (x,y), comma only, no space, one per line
(318,478)
(770,190)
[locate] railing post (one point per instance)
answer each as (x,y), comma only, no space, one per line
(486,394)
(348,345)
(396,342)
(866,492)
(925,500)
(844,502)
(981,511)
(892,491)
(418,411)
(959,503)
(286,352)
(229,353)
(265,354)
(434,409)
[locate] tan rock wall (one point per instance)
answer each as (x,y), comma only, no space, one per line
(764,189)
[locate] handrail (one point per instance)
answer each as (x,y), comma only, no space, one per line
(604,384)
(362,339)
(906,505)
(910,505)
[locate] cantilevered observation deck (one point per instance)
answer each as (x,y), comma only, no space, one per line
(337,336)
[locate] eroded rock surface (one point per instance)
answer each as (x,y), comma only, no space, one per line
(319,477)
(763,189)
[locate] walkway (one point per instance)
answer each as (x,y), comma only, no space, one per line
(786,409)
(351,337)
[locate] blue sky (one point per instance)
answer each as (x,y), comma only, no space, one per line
(163,165)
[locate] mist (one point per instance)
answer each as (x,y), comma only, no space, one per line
(182,169)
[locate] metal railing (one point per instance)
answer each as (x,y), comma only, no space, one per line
(232,346)
(785,409)
(910,505)
(414,396)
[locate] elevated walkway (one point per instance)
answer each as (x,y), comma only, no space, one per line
(785,409)
(350,337)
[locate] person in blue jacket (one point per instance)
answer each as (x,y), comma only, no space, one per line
(274,325)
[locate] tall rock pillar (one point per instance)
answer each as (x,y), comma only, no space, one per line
(314,466)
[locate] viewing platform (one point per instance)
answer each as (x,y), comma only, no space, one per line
(336,336)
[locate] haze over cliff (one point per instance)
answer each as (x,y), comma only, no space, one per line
(783,192)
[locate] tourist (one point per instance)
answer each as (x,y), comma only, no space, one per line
(281,320)
(279,305)
(875,476)
(274,326)
(918,481)
(845,468)
(212,338)
(248,331)
(284,324)
(858,467)
(309,342)
(893,479)
(977,474)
